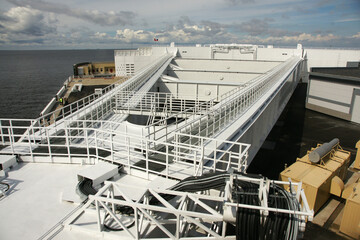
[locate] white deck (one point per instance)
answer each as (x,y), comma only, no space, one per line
(34,205)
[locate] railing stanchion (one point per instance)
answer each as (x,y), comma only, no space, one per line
(96,146)
(167,161)
(11,136)
(87,144)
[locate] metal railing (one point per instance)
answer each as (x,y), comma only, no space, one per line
(114,142)
(129,85)
(233,104)
(85,133)
(158,103)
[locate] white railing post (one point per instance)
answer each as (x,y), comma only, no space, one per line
(147,159)
(11,137)
(30,147)
(96,146)
(2,134)
(112,147)
(87,144)
(49,145)
(167,160)
(67,141)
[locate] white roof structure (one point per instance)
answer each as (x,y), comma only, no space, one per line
(186,111)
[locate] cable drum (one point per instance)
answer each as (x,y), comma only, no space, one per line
(321,151)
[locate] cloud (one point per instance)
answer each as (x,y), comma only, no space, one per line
(236,2)
(22,25)
(128,35)
(184,31)
(255,27)
(260,27)
(26,21)
(356,36)
(100,35)
(348,20)
(110,18)
(312,40)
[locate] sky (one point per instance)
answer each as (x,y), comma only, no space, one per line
(109,24)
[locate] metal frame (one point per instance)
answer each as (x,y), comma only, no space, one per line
(182,212)
(121,146)
(108,92)
(232,105)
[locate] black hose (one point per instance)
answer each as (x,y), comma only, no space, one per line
(86,188)
(276,225)
(115,229)
(7,187)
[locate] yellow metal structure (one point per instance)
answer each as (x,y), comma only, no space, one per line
(317,179)
(350,223)
(357,159)
(337,186)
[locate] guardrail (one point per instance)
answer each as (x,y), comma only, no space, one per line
(113,142)
(232,105)
(129,85)
(166,105)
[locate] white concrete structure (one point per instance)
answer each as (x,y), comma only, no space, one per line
(334,95)
(186,111)
(331,57)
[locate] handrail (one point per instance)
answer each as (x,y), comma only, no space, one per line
(232,105)
(146,101)
(128,85)
(117,146)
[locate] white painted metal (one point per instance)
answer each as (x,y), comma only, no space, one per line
(117,143)
(7,161)
(355,116)
(182,212)
(331,95)
(98,173)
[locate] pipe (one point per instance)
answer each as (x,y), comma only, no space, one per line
(321,151)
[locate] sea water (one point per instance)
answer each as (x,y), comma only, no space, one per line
(29,79)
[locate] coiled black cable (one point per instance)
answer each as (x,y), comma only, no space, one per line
(85,188)
(5,187)
(276,225)
(249,223)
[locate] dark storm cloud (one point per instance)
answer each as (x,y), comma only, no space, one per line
(101,18)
